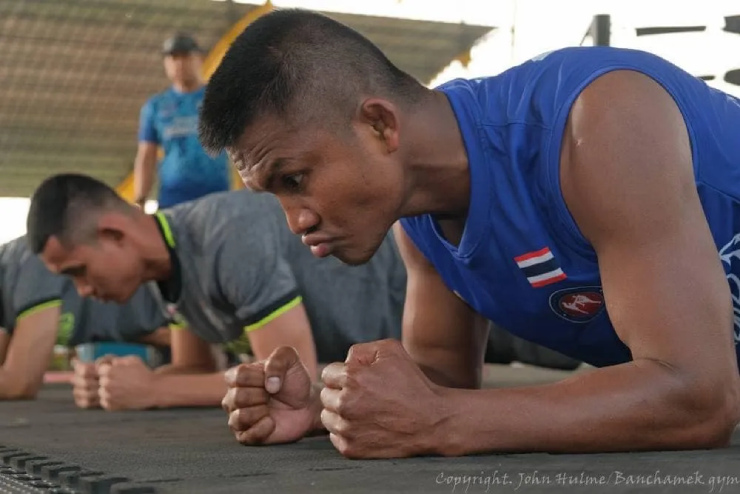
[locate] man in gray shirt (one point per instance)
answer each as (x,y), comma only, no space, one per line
(226,265)
(39,308)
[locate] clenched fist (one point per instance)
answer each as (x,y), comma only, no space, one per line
(126,383)
(271,401)
(379,404)
(85,384)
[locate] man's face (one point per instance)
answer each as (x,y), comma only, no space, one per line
(183,68)
(107,268)
(341,191)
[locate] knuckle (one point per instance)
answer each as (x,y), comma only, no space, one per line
(242,370)
(344,428)
(242,398)
(228,400)
(247,438)
(343,405)
(233,421)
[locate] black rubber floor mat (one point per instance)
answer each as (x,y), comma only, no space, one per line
(191,451)
(23,472)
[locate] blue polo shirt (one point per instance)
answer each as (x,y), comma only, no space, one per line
(170,120)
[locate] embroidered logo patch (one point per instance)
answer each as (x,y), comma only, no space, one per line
(580,304)
(540,267)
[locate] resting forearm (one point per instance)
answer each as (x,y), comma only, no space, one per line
(636,406)
(189,390)
(14,388)
(448,367)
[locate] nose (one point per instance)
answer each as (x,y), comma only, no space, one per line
(300,219)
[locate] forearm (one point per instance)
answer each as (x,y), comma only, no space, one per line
(451,368)
(189,390)
(14,387)
(158,338)
(635,406)
(143,178)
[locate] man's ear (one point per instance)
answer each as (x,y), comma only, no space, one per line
(383,118)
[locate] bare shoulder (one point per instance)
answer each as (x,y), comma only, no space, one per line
(626,154)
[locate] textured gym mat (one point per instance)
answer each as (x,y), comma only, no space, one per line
(50,446)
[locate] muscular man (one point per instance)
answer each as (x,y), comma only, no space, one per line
(587,200)
(170,120)
(225,265)
(39,308)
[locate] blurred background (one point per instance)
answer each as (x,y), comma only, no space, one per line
(75,73)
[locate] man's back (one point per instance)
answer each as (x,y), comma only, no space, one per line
(241,264)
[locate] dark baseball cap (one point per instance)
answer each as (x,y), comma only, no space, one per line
(180,43)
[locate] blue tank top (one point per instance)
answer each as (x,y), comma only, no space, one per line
(522,262)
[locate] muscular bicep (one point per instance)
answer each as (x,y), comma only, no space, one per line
(627,178)
(445,337)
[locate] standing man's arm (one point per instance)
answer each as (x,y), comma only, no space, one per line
(146,155)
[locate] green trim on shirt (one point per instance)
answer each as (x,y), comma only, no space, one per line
(274,314)
(38,308)
(168,237)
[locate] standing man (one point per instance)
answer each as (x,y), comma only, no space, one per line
(170,120)
(587,200)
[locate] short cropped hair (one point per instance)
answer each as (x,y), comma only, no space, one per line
(297,65)
(62,207)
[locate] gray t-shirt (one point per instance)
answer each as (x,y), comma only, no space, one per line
(238,266)
(27,286)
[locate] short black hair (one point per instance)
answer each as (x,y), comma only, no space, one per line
(61,206)
(295,64)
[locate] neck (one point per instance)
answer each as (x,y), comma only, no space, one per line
(156,256)
(438,180)
(187,86)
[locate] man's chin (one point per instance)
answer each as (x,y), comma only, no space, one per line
(352,257)
(119,298)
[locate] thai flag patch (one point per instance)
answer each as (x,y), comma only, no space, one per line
(540,267)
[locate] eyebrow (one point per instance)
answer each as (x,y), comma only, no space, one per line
(272,171)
